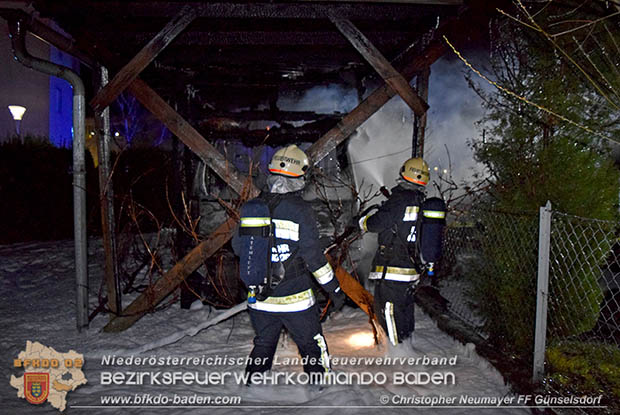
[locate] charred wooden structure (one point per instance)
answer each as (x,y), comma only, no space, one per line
(235,59)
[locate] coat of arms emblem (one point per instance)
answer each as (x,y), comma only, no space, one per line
(36,387)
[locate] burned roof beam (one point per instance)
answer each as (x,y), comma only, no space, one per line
(269,55)
(146,55)
(285,38)
(303,10)
(273,115)
(273,137)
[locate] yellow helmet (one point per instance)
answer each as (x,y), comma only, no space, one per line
(415,170)
(290,162)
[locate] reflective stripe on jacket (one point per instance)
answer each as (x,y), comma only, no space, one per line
(290,303)
(395,274)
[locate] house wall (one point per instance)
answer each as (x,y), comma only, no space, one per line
(61,102)
(23,86)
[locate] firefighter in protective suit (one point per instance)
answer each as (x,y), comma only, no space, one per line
(296,258)
(397,264)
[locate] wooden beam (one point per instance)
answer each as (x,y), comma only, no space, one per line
(189,136)
(368,10)
(262,38)
(352,288)
(431,2)
(131,71)
(171,279)
(267,115)
(383,67)
(316,152)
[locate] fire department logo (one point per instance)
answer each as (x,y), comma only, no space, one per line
(47,375)
(36,387)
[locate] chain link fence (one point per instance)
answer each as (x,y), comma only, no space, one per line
(489,275)
(489,258)
(583,320)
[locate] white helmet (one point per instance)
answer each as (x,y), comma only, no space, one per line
(289,161)
(415,170)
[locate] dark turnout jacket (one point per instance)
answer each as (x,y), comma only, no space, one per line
(396,223)
(297,248)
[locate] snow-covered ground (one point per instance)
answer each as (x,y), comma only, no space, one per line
(38,304)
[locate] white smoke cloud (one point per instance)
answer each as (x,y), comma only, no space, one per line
(320,99)
(381,145)
(384,141)
(454,110)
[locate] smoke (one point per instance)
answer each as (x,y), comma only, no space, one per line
(384,141)
(454,110)
(381,144)
(320,99)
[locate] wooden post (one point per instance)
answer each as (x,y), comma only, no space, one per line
(419,123)
(143,58)
(383,67)
(106,200)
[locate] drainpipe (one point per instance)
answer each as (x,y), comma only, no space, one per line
(18,38)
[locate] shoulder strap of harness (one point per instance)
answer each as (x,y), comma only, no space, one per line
(273,200)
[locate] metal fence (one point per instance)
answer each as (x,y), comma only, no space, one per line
(582,353)
(544,286)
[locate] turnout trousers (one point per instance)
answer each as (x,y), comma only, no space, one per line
(304,328)
(394,308)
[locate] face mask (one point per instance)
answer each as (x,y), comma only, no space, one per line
(281,184)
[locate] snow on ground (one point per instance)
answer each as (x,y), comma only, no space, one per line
(38,304)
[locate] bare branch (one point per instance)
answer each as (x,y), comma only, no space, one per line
(593,22)
(527,101)
(537,27)
(587,55)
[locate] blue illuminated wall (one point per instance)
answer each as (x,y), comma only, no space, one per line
(61,102)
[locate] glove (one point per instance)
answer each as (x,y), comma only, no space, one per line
(262,292)
(338,298)
(411,290)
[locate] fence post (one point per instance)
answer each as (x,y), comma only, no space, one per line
(544,243)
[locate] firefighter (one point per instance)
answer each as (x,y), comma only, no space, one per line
(296,258)
(397,264)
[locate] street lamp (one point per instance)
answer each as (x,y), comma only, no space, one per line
(17,111)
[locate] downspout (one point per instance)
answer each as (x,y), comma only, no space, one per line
(18,38)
